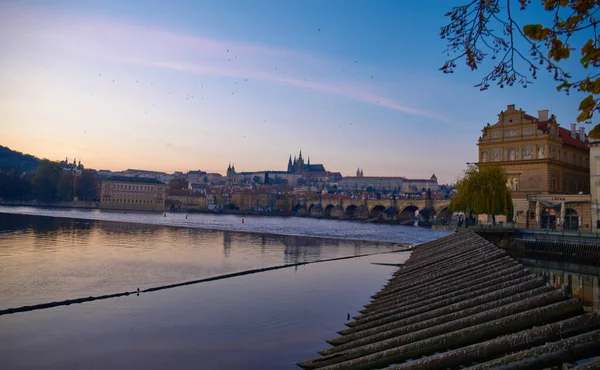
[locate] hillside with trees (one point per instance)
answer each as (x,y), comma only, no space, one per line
(11,160)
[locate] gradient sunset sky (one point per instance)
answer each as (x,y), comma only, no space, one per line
(182,85)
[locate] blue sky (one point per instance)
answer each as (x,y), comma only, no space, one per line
(180,85)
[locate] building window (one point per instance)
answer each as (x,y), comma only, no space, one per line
(540,151)
(554,184)
(495,155)
(527,152)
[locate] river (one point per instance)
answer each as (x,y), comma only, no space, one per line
(265,320)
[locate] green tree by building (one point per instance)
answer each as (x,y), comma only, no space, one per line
(178,183)
(87,186)
(483,191)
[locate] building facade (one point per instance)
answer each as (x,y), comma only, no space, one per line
(196,177)
(420,185)
(595,179)
(185,199)
(545,165)
(377,183)
(133,193)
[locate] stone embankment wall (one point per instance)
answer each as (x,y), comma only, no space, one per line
(460,301)
(584,250)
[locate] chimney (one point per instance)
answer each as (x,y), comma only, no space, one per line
(581,133)
(510,107)
(573,130)
(543,115)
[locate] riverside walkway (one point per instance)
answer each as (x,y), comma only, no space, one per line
(461,302)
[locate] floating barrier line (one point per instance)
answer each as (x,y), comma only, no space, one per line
(68,302)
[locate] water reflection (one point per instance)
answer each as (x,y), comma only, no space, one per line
(47,259)
(257,224)
(577,284)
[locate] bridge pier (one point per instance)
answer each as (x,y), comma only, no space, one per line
(337,212)
(316,210)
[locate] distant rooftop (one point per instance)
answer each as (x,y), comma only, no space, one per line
(143,180)
(145,171)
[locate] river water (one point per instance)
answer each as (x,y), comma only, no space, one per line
(266,320)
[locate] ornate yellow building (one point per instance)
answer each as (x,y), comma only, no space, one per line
(547,168)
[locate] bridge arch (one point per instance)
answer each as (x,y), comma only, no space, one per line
(444,215)
(300,210)
(350,211)
(407,213)
(377,211)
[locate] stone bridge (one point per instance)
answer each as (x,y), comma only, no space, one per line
(385,209)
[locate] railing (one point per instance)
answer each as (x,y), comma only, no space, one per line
(525,229)
(585,232)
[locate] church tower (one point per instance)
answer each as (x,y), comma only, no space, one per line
(290,167)
(300,166)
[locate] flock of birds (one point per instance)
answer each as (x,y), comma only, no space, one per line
(233,58)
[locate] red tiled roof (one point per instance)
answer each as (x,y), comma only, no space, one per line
(565,135)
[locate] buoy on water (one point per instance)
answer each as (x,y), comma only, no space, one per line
(186,217)
(165,215)
(242,220)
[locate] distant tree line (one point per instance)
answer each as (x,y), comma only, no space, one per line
(49,183)
(11,160)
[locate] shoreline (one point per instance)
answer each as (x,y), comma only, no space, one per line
(96,205)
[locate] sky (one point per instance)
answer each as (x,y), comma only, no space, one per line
(187,85)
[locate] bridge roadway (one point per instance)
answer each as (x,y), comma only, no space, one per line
(458,302)
(363,209)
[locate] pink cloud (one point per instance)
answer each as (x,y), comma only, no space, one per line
(142,45)
(348,91)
